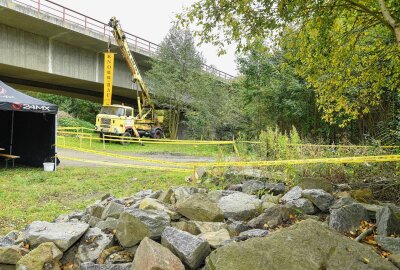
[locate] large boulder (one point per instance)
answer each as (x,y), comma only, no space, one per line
(199,207)
(388,220)
(190,249)
(11,254)
(92,245)
(151,255)
(136,224)
(45,256)
(63,234)
(308,245)
(319,197)
(239,206)
(9,239)
(346,215)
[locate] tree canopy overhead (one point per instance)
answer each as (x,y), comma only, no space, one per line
(347,50)
(245,21)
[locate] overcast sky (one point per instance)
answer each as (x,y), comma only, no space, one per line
(149,19)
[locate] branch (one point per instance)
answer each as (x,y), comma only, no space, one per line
(367,10)
(386,14)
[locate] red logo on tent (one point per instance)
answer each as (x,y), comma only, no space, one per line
(16,106)
(2,91)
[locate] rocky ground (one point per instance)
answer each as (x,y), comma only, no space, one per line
(253,225)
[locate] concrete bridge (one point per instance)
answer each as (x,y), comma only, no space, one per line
(46,47)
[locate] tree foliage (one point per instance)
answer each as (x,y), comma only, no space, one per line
(347,50)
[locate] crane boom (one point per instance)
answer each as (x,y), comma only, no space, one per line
(144,101)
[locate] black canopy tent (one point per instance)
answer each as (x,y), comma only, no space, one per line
(28,127)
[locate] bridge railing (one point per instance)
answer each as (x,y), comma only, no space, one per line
(71,16)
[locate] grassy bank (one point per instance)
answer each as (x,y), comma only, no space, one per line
(31,194)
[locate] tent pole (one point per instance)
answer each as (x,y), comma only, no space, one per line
(12,132)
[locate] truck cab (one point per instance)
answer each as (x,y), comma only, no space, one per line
(115,120)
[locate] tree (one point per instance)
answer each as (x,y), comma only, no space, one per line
(274,95)
(174,76)
(348,50)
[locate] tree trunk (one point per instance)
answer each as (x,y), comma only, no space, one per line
(392,22)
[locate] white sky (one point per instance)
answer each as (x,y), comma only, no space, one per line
(149,19)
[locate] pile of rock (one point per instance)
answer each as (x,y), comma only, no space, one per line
(194,228)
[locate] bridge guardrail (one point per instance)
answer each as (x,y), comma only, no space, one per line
(101,28)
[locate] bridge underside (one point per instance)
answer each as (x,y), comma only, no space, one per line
(33,80)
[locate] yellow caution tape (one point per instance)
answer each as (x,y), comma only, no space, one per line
(126,165)
(360,159)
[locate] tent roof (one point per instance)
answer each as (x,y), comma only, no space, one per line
(13,100)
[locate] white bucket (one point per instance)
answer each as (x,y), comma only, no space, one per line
(48,166)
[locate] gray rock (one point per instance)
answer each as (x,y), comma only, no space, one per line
(95,210)
(293,194)
(388,220)
(63,234)
(92,266)
(206,227)
(308,245)
(236,227)
(372,209)
(112,210)
(181,193)
(253,233)
(253,187)
(165,196)
(239,206)
(316,183)
(136,224)
(93,221)
(151,256)
(107,225)
(149,193)
(199,207)
(302,206)
(9,239)
(319,197)
(11,254)
(45,256)
(187,226)
(190,249)
(395,259)
(92,245)
(275,188)
(390,244)
(215,239)
(271,217)
(153,204)
(346,215)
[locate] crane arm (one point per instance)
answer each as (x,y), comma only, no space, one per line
(145,101)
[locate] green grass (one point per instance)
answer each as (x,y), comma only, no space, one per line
(192,150)
(31,194)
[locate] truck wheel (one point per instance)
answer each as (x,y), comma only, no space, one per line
(157,134)
(125,138)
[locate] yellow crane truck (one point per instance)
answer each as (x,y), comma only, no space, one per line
(119,120)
